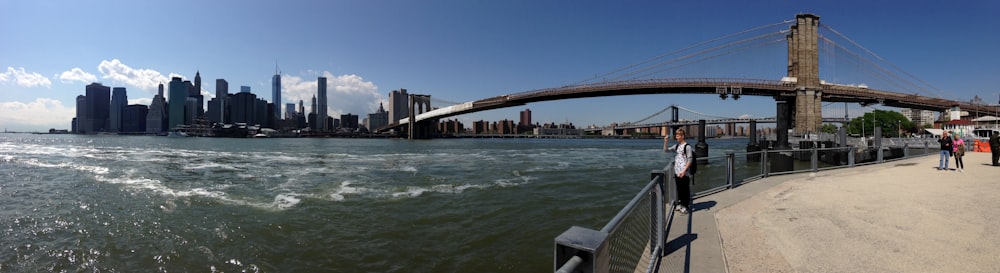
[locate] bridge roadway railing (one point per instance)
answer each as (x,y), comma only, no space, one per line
(634,240)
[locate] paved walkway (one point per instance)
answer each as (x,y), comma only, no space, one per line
(901,216)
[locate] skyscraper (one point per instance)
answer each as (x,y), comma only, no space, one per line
(221,92)
(378,119)
(119,100)
(525,118)
(398,105)
(177,100)
(156,117)
(244,89)
(289,110)
(98,108)
(276,92)
(200,110)
(81,114)
(321,103)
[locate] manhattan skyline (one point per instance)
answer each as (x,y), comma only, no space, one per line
(453,51)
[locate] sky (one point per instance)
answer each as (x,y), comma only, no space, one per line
(455,51)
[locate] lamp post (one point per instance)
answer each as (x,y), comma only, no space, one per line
(862,127)
(899,131)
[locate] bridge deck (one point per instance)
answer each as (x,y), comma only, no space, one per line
(902,216)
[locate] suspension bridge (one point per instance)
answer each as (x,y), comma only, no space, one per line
(798,94)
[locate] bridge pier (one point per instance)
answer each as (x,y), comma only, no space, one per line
(425,129)
(803,65)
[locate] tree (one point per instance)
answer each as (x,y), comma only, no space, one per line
(828,128)
(891,122)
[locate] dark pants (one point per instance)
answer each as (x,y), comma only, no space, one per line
(958,162)
(684,190)
(996,155)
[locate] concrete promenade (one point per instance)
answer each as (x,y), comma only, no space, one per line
(900,216)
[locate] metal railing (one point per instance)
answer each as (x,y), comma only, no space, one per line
(634,240)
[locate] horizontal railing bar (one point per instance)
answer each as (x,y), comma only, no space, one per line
(570,265)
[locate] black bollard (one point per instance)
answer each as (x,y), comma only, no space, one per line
(701,149)
(782,161)
(753,146)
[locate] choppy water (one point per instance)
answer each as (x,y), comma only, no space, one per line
(156,204)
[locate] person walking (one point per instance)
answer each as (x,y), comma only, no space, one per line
(959,152)
(682,162)
(946,145)
(995,147)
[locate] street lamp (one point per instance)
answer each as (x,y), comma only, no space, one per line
(862,127)
(899,131)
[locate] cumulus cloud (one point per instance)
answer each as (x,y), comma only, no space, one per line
(145,79)
(77,74)
(143,101)
(746,116)
(39,115)
(21,77)
(345,93)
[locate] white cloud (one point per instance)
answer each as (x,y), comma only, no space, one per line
(39,115)
(23,78)
(77,74)
(145,79)
(143,101)
(345,94)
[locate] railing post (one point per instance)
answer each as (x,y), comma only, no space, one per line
(927,147)
(850,156)
(906,150)
(730,171)
(815,159)
(763,162)
(659,210)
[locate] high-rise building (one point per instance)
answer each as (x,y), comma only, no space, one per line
(525,118)
(156,116)
(313,122)
(134,118)
(378,119)
(302,108)
(349,121)
(221,92)
(178,98)
(398,105)
(276,92)
(119,99)
(321,103)
(244,89)
(81,114)
(98,108)
(289,110)
(200,108)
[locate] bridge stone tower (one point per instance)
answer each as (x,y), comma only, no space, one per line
(420,104)
(803,65)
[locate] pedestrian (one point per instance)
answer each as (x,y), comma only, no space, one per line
(682,162)
(946,145)
(959,152)
(995,147)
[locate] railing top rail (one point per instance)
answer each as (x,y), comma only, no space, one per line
(632,203)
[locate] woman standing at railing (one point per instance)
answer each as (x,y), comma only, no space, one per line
(682,163)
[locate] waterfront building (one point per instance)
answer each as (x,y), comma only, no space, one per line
(378,119)
(241,108)
(177,99)
(348,121)
(302,108)
(289,110)
(313,122)
(321,103)
(195,92)
(156,116)
(920,117)
(451,127)
(276,92)
(190,110)
(81,114)
(480,127)
(134,118)
(221,92)
(525,118)
(98,108)
(398,105)
(119,100)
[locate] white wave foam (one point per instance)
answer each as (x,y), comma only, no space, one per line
(285,200)
(211,165)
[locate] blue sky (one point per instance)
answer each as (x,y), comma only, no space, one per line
(453,50)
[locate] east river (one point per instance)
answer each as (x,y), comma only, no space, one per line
(157,204)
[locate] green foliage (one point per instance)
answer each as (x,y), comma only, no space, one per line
(828,128)
(893,124)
